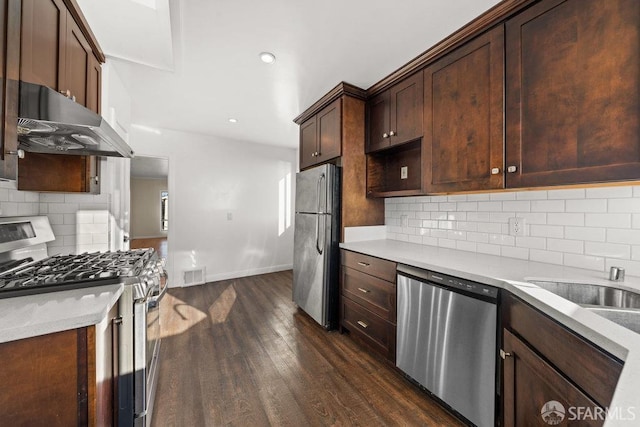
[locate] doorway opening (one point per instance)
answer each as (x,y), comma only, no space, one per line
(149,223)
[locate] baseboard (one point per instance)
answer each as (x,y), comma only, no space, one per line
(245,273)
(147,237)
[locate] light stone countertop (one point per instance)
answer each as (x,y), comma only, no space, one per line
(33,315)
(512,275)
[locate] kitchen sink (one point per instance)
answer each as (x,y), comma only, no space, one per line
(586,294)
(620,306)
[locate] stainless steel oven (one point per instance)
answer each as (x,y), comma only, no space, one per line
(140,343)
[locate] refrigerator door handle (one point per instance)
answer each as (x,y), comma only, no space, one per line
(318,215)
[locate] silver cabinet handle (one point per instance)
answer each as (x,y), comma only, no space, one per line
(313,154)
(495,171)
(317,153)
(364,291)
(385,135)
(363,324)
(363,264)
(392,133)
(512,169)
(504,354)
(19,153)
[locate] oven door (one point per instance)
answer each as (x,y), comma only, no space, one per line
(153,336)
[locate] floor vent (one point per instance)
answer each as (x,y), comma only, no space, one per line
(194,277)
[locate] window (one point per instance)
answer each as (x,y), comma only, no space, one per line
(164,210)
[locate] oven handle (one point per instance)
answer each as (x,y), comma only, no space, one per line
(155,300)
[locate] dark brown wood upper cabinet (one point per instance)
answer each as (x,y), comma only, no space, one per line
(395,115)
(9,90)
(463,117)
(573,93)
(321,136)
(56,53)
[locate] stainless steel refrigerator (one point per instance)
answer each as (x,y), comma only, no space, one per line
(316,235)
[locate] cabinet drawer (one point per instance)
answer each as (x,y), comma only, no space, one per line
(383,269)
(375,332)
(589,367)
(376,295)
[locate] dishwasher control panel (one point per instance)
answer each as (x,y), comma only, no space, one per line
(465,285)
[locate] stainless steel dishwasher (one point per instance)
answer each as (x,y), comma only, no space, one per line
(446,340)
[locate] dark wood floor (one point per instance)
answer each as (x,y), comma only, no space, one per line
(238,352)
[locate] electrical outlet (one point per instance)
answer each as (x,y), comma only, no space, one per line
(404,172)
(404,219)
(229,216)
(517,226)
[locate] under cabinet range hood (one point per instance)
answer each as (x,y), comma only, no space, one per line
(49,122)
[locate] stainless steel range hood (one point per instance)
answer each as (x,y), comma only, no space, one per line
(49,122)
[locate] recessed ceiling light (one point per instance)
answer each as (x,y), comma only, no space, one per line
(267,57)
(232,120)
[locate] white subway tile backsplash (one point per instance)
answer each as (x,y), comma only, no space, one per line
(607,250)
(517,206)
(51,198)
(531,242)
(4,194)
(502,196)
(556,231)
(547,206)
(609,192)
(62,208)
(608,220)
(489,206)
(624,205)
(531,195)
(56,219)
(467,206)
(566,246)
(546,256)
(586,205)
(477,197)
(575,193)
(565,218)
(502,239)
(488,249)
(585,228)
(584,261)
(9,208)
(593,234)
(478,237)
(623,236)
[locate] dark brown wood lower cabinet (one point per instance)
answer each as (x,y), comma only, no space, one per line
(60,379)
(535,393)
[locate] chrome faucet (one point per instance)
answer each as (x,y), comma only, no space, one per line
(616,274)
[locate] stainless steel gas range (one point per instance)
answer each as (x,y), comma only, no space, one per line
(26,268)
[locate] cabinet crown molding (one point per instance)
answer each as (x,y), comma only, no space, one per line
(343,88)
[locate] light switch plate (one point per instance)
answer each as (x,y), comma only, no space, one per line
(404,172)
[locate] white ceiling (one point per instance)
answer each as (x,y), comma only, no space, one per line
(207,69)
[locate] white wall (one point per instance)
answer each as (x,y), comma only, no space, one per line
(592,228)
(145,207)
(210,180)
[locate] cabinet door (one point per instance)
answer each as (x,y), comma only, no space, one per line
(44,26)
(534,390)
(9,91)
(77,62)
(329,122)
(308,143)
(94,79)
(58,172)
(405,109)
(44,380)
(378,122)
(573,93)
(463,117)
